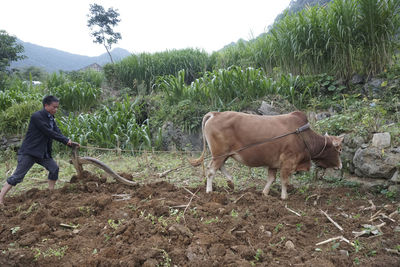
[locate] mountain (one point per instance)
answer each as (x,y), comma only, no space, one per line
(294,6)
(51,59)
(298,5)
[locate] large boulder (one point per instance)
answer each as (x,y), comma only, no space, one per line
(174,139)
(350,145)
(374,162)
(373,87)
(381,140)
(13,142)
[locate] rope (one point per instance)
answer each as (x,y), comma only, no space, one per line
(135,150)
(297,131)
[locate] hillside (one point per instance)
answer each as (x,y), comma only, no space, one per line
(51,59)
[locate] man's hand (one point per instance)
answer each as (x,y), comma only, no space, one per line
(71,143)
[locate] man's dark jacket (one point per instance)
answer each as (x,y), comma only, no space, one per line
(38,139)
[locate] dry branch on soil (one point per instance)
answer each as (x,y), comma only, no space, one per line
(292,211)
(342,238)
(332,221)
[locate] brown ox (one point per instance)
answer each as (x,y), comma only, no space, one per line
(282,142)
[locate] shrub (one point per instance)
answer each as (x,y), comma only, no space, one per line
(15,119)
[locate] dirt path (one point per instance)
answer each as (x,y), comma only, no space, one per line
(95,223)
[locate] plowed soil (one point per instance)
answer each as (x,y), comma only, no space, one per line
(94,222)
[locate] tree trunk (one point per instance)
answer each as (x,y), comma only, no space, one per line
(112,61)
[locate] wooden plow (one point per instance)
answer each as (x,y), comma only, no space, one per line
(78,161)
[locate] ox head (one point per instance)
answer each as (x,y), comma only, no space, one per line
(330,156)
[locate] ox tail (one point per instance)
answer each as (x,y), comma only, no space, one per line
(200,160)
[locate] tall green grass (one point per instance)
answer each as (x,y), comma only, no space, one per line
(144,68)
(341,38)
(110,127)
(233,87)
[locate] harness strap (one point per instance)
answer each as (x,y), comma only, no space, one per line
(297,131)
(309,150)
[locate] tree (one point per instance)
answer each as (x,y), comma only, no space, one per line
(101,24)
(9,50)
(36,73)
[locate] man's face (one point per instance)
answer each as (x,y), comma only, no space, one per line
(52,108)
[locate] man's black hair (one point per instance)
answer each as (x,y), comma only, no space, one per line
(49,99)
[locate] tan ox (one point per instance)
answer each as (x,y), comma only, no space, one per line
(283,142)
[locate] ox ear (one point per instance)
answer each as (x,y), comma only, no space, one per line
(337,141)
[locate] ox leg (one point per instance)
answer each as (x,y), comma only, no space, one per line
(212,168)
(210,177)
(271,179)
(228,176)
(285,174)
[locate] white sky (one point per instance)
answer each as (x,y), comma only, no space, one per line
(146,25)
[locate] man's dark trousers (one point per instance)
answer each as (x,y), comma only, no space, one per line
(25,163)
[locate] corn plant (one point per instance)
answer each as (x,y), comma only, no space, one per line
(76,96)
(224,89)
(110,127)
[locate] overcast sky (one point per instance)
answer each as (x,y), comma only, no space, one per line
(146,25)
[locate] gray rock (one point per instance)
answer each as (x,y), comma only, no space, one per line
(350,145)
(367,182)
(357,79)
(396,177)
(373,87)
(374,163)
(175,139)
(353,141)
(322,115)
(381,140)
(289,245)
(267,109)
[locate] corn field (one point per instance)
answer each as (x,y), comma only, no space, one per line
(143,69)
(110,127)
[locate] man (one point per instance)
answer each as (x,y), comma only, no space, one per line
(37,146)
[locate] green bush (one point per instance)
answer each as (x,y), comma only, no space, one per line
(17,92)
(15,119)
(94,78)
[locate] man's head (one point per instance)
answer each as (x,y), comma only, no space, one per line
(51,103)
